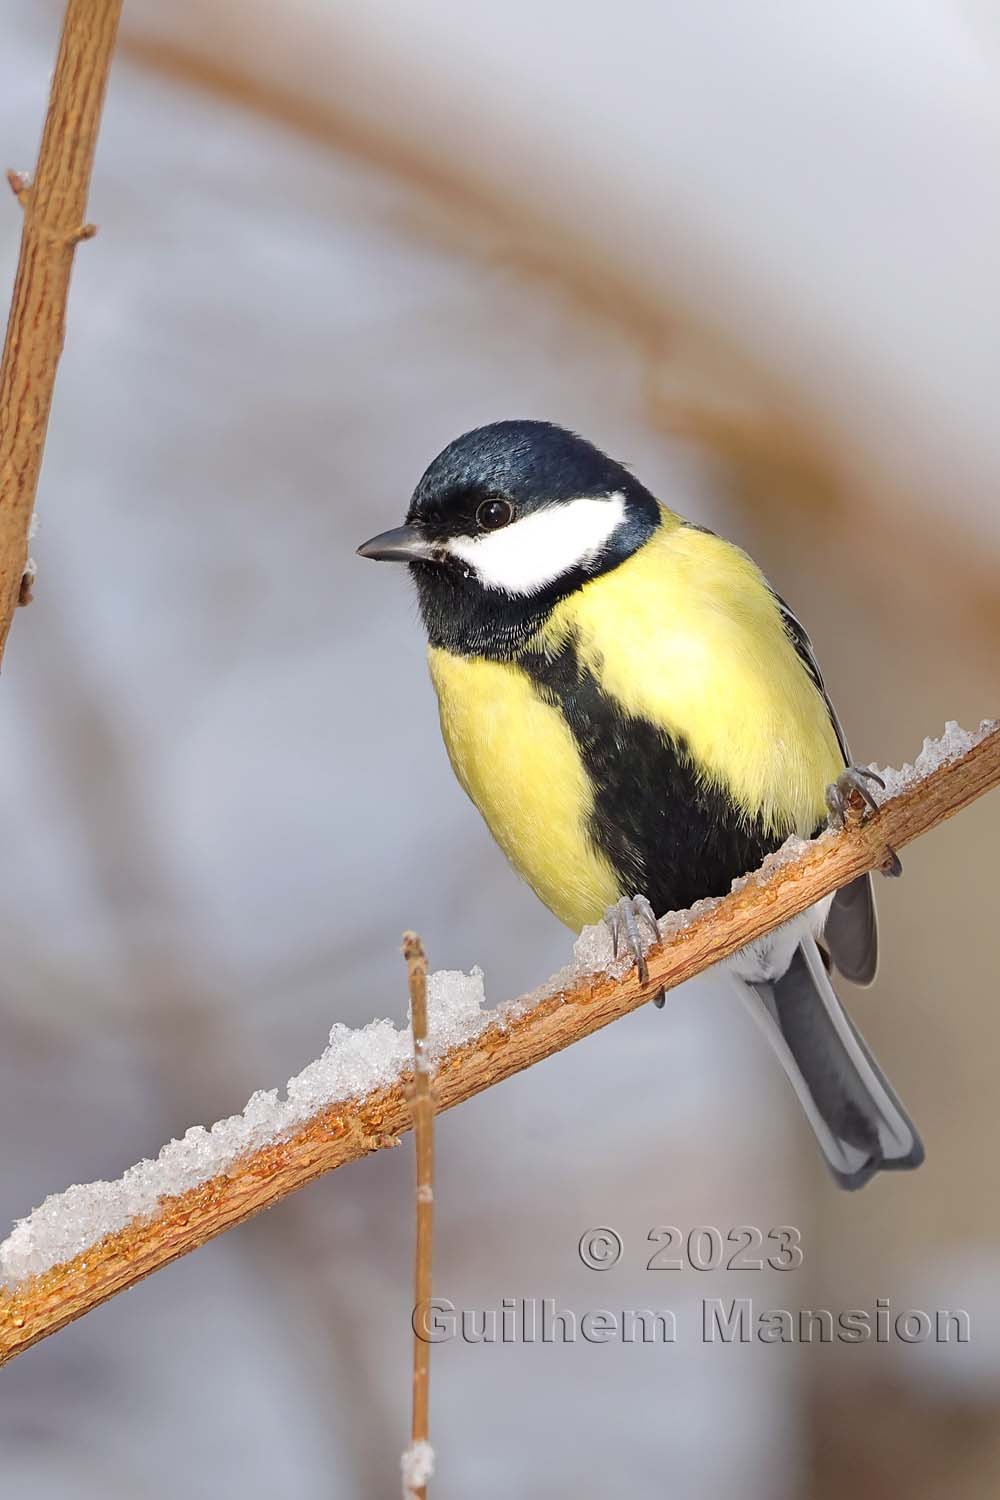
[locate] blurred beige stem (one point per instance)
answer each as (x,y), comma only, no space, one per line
(352,1129)
(423,1129)
(55,205)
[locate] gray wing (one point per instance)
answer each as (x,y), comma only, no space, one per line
(851,932)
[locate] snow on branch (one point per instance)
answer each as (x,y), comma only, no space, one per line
(84,1245)
(54,203)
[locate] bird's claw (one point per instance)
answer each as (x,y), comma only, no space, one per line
(623,923)
(854,780)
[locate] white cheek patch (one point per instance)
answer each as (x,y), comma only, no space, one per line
(526,556)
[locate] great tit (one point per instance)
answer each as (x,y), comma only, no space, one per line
(633,709)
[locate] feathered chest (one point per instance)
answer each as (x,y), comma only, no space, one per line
(651,738)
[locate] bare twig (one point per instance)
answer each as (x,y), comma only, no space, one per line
(19,185)
(418,1459)
(54,203)
(352,1129)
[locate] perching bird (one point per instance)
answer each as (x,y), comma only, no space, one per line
(634,710)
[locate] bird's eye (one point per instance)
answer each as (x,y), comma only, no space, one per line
(493,514)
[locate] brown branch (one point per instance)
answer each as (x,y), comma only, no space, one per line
(415,1459)
(54,203)
(351,1129)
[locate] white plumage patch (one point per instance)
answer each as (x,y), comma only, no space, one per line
(529,554)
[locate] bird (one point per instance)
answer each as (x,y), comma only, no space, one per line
(640,719)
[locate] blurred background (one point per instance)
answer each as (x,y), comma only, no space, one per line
(750,249)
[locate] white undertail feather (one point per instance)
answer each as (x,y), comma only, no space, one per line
(531,553)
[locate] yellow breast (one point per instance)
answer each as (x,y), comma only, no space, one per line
(687,634)
(518,762)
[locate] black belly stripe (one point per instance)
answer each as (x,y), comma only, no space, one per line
(666,835)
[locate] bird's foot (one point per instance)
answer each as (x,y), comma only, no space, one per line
(850,783)
(842,798)
(623,921)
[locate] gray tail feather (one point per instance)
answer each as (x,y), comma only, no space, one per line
(860,1124)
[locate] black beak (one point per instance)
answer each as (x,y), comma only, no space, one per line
(402,544)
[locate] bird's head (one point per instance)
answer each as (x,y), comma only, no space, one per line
(506,521)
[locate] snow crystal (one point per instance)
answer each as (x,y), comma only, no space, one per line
(417,1465)
(791,850)
(593,952)
(953,744)
(354,1063)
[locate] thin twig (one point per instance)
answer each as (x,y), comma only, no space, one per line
(356,1127)
(54,203)
(418,1459)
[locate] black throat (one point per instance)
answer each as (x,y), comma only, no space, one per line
(462,616)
